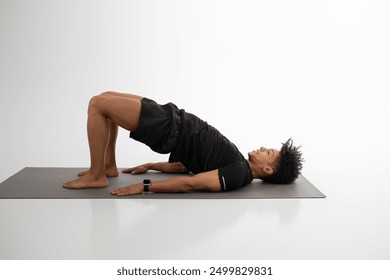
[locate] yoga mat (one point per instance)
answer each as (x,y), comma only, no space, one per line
(39,183)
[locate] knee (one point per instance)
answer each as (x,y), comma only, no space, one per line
(106,93)
(98,99)
(96,102)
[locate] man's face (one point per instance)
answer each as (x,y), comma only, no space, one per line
(264,157)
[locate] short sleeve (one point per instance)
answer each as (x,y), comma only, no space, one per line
(234,176)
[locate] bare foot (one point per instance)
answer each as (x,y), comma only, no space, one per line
(87,181)
(110,172)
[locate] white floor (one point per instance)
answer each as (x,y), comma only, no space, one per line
(351,223)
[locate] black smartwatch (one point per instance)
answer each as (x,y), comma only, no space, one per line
(146,185)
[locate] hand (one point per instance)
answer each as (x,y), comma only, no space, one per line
(129,190)
(140,169)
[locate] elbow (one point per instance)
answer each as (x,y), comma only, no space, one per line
(187,185)
(201,183)
(186,189)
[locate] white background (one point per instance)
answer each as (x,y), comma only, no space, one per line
(259,71)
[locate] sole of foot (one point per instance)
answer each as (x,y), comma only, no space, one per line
(87,181)
(109,173)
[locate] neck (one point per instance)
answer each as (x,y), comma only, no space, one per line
(255,172)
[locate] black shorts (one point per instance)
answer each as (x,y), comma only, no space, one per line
(159,126)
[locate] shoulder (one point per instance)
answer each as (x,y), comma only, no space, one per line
(235,175)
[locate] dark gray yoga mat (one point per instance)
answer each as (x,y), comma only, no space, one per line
(34,182)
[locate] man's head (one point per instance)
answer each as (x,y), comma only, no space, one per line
(273,166)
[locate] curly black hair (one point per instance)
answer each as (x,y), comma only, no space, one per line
(289,165)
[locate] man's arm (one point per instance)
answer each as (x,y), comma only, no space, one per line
(206,181)
(166,167)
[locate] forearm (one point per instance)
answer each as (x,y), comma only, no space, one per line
(168,167)
(178,184)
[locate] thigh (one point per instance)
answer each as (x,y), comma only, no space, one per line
(124,112)
(124,95)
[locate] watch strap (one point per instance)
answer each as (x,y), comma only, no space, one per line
(146,185)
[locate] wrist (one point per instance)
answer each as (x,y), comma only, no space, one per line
(146,185)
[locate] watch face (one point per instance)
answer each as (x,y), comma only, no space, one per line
(147,181)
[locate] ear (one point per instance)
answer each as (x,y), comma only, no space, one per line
(268,170)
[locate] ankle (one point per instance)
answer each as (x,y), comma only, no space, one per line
(111,166)
(97,175)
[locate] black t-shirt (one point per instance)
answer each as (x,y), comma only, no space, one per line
(202,148)
(234,175)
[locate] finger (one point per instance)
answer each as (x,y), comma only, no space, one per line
(131,169)
(116,191)
(127,170)
(128,190)
(121,190)
(68,185)
(124,193)
(138,171)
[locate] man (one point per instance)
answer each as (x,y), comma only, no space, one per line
(194,146)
